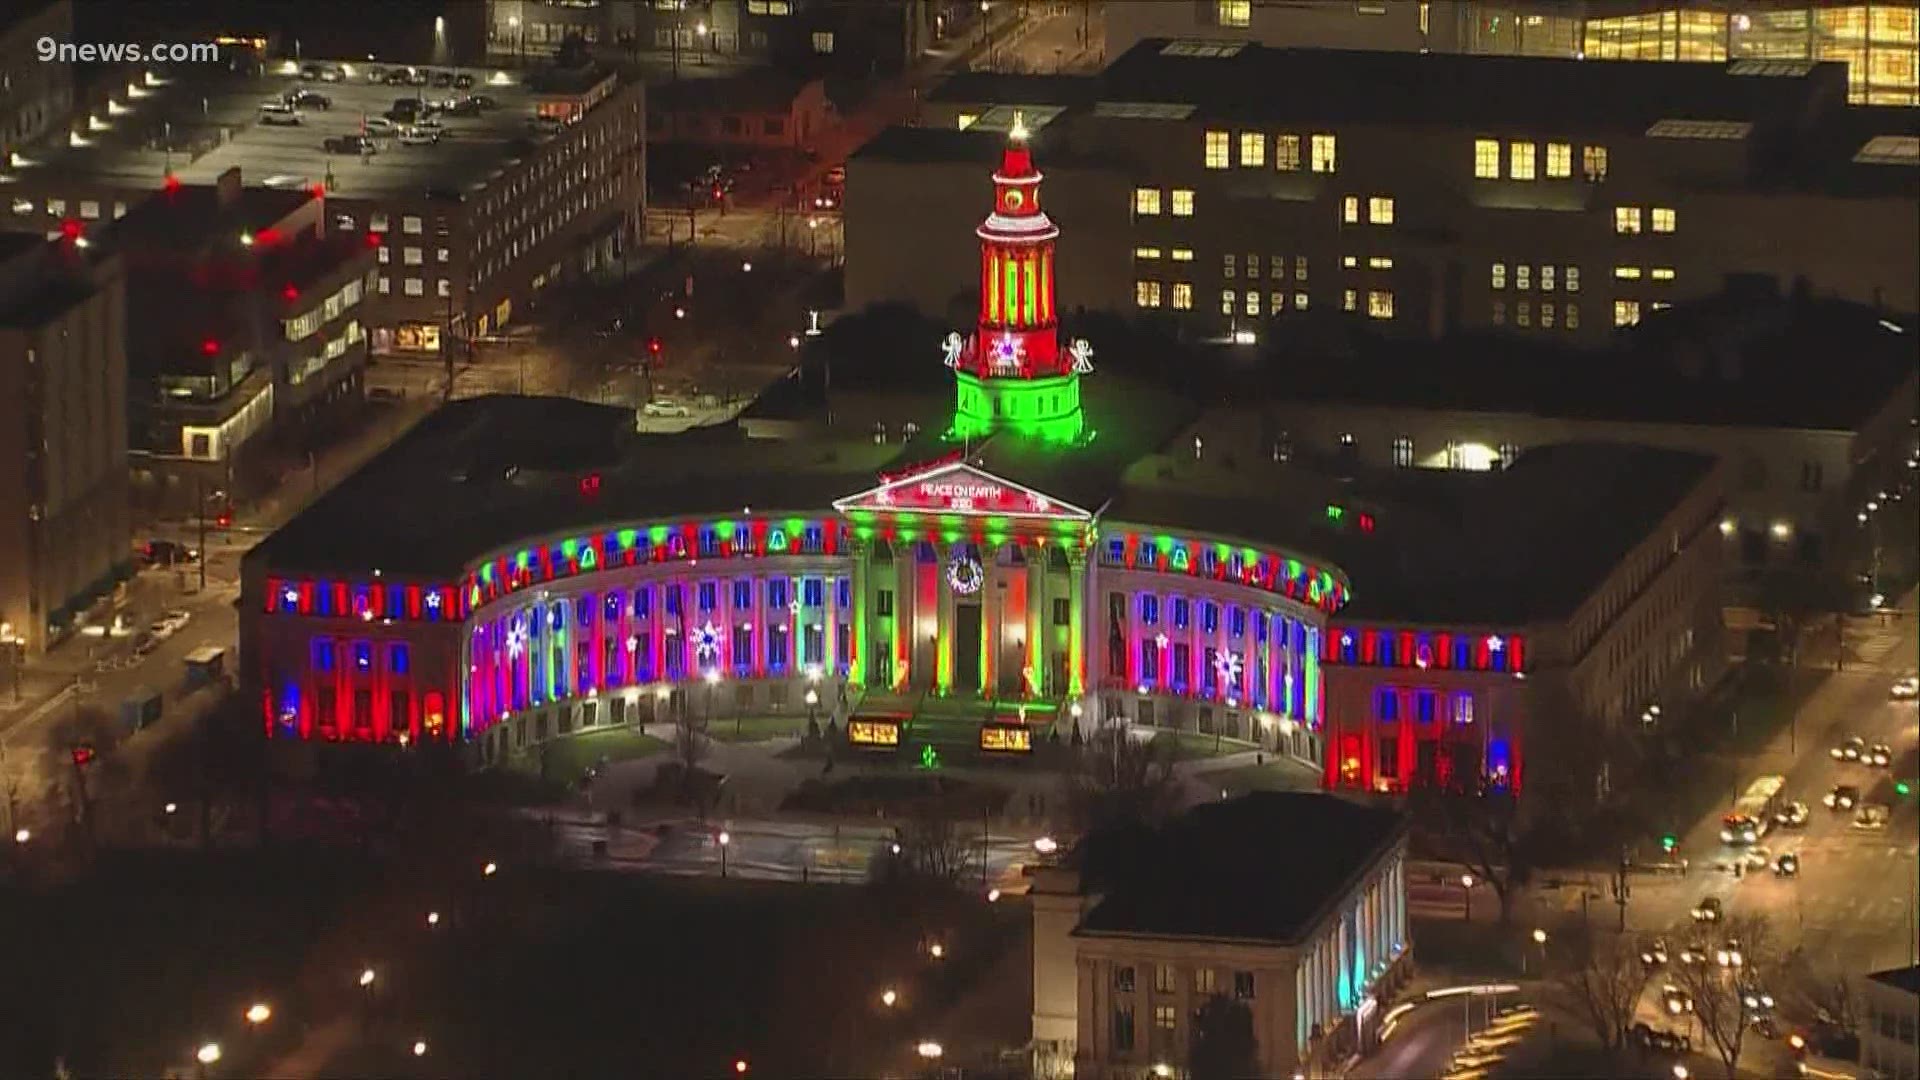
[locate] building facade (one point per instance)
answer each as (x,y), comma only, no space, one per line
(65,542)
(1416,195)
(1890,1026)
(36,93)
(1879,42)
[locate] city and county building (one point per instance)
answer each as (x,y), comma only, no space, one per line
(1240,191)
(64,530)
(855,38)
(1879,42)
(517,570)
(1890,1023)
(1308,943)
(252,335)
(539,180)
(35,92)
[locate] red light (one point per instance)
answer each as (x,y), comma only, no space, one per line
(1366,523)
(290,293)
(590,485)
(83,754)
(716,191)
(653,346)
(225,519)
(210,347)
(373,239)
(319,191)
(265,237)
(171,184)
(70,229)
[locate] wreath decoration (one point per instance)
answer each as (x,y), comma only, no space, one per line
(965,575)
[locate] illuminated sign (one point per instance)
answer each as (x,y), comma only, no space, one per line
(1006,738)
(958,488)
(875,733)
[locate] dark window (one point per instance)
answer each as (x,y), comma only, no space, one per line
(1116,551)
(1810,476)
(777,592)
(363,708)
(742,647)
(1389,756)
(777,648)
(1181,616)
(610,608)
(673,599)
(1243,985)
(811,591)
(1123,1027)
(1237,621)
(362,656)
(642,602)
(1182,657)
(743,594)
(1423,706)
(709,543)
(1209,617)
(883,603)
(397,710)
(843,593)
(1062,611)
(812,539)
(1150,610)
(1260,628)
(709,595)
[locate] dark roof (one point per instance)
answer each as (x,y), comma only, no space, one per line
(997,88)
(1261,83)
(758,91)
(481,473)
(975,147)
(15,244)
(1734,360)
(34,292)
(1906,978)
(191,217)
(1213,873)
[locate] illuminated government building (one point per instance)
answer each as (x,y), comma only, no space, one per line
(1066,549)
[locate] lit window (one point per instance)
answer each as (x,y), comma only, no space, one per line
(89,209)
(1253,268)
(1350,300)
(1626,312)
(411,256)
(1286,153)
(1182,254)
(415,287)
(1299,301)
(1146,294)
(1253,302)
(966,120)
(1546,279)
(1219,146)
(1276,303)
(1499,275)
(410,224)
(1299,268)
(1663,219)
(1626,273)
(823,41)
(1520,160)
(1559,160)
(1523,277)
(1593,161)
(1573,279)
(1227,299)
(1183,296)
(1380,210)
(1350,209)
(1146,253)
(1380,262)
(1486,159)
(1380,304)
(1146,201)
(1573,316)
(1546,316)
(1662,273)
(1253,149)
(1403,452)
(1277,267)
(1348,262)
(1324,158)
(1229,266)
(1164,1015)
(1182,202)
(57,207)
(1626,220)
(1236,13)
(1523,314)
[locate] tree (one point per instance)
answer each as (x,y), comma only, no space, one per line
(1114,780)
(933,846)
(1824,992)
(1222,1045)
(1481,831)
(1718,991)
(1601,979)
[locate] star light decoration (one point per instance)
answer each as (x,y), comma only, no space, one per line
(1495,644)
(433,600)
(706,642)
(291,595)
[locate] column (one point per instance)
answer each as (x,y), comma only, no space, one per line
(1077,624)
(993,617)
(757,615)
(1036,557)
(829,637)
(905,609)
(861,661)
(943,627)
(657,629)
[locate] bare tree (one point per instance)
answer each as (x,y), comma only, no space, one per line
(1718,990)
(1113,780)
(689,739)
(1482,831)
(934,847)
(1222,1043)
(1824,992)
(1601,979)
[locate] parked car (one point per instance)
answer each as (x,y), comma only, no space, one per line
(665,407)
(381,125)
(443,78)
(347,144)
(419,136)
(1905,688)
(303,98)
(1872,816)
(1879,754)
(463,80)
(483,101)
(279,114)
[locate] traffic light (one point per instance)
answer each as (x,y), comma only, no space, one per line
(1901,787)
(1669,842)
(225,520)
(83,754)
(653,346)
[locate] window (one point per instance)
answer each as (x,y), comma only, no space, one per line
(1546,316)
(823,41)
(442,287)
(1229,266)
(1626,220)
(1182,202)
(1243,985)
(1299,268)
(1236,13)
(1523,277)
(1663,219)
(1147,253)
(1062,611)
(1165,1017)
(1204,983)
(1380,262)
(1350,209)
(1403,452)
(1276,303)
(377,222)
(1183,296)
(1323,150)
(1218,147)
(1299,301)
(1810,477)
(1146,294)
(966,120)
(1573,279)
(1523,314)
(1227,299)
(399,660)
(1146,201)
(1486,159)
(1253,149)
(1509,453)
(1546,279)
(412,256)
(416,287)
(1626,312)
(1253,302)
(1380,304)
(1662,273)
(1286,153)
(1559,160)
(1499,275)
(1573,316)
(1593,162)
(1349,262)
(89,209)
(1380,210)
(1350,300)
(1626,273)
(1123,979)
(1499,313)
(1520,157)
(1463,708)
(1277,267)
(1182,254)
(1163,978)
(410,224)
(1123,1027)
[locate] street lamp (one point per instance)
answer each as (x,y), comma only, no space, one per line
(937,950)
(208,1053)
(888,997)
(433,918)
(21,836)
(259,1013)
(1540,939)
(726,841)
(490,869)
(1466,886)
(1046,845)
(366,978)
(929,1049)
(419,1048)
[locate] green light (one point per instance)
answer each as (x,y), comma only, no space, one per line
(929,757)
(628,538)
(1048,409)
(1669,842)
(570,548)
(522,558)
(1335,513)
(486,573)
(1901,787)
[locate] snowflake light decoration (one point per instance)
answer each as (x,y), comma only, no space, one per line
(706,642)
(517,638)
(1229,665)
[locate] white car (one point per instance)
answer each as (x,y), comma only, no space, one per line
(663,407)
(417,136)
(380,125)
(1906,687)
(280,114)
(1871,816)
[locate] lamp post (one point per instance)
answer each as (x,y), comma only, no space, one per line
(1466,892)
(1540,939)
(726,841)
(813,709)
(713,679)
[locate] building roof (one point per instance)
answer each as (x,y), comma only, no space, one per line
(1736,360)
(39,280)
(966,87)
(1905,979)
(184,219)
(1238,871)
(754,91)
(480,473)
(1258,83)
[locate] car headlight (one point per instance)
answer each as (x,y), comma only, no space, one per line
(1837,752)
(1726,836)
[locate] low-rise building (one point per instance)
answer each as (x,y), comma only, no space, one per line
(1890,1024)
(36,90)
(64,530)
(1306,943)
(761,110)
